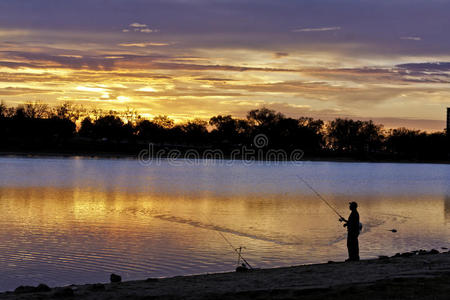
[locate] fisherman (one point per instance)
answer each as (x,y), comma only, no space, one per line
(353,229)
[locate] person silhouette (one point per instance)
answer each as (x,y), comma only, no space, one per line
(353,228)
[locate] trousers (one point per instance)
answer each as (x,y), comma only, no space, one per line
(353,246)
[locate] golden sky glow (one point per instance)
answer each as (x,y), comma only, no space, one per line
(323,69)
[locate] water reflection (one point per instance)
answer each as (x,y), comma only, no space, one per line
(103,218)
(65,235)
(447,208)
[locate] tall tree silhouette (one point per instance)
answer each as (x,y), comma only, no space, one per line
(351,136)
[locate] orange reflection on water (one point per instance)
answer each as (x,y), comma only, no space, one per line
(75,235)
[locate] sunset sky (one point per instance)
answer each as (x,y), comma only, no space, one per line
(383,60)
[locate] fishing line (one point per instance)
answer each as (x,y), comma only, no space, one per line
(231,245)
(320,197)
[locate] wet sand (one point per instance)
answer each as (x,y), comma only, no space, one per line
(417,277)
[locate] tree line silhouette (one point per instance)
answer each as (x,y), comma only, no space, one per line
(71,129)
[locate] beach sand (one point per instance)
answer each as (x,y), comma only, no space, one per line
(416,277)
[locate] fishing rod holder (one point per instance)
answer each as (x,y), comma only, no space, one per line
(239,252)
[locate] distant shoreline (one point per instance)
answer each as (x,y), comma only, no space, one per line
(408,276)
(112,155)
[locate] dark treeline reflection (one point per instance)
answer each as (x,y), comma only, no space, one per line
(72,129)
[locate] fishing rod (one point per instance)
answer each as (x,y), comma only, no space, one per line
(320,197)
(235,250)
(240,257)
(329,205)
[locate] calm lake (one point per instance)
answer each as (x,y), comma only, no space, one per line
(76,220)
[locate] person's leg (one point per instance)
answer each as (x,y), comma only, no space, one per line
(353,247)
(356,248)
(349,247)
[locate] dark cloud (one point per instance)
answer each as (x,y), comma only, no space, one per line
(87,61)
(17,65)
(44,60)
(405,73)
(114,61)
(280,54)
(370,26)
(316,29)
(198,67)
(296,87)
(31,78)
(426,67)
(180,92)
(214,79)
(15,91)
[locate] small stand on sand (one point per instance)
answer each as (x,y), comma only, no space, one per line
(244,266)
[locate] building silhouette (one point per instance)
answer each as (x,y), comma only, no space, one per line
(447,208)
(448,120)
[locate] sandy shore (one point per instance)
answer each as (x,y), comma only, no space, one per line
(416,277)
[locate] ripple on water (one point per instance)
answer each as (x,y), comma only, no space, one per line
(111,217)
